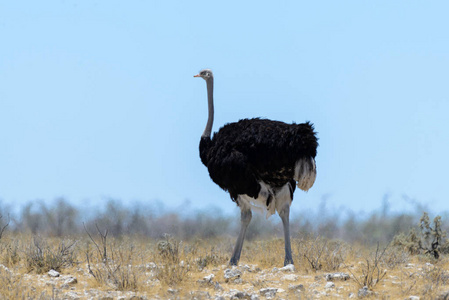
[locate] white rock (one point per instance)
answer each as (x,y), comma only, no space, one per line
(363,292)
(236,294)
(151,266)
(232,273)
(200,294)
(5,268)
(296,287)
(413,298)
(329,285)
(72,295)
(53,273)
(250,268)
(238,280)
(290,277)
(70,280)
(288,268)
(269,293)
(246,268)
(208,278)
(336,276)
(218,287)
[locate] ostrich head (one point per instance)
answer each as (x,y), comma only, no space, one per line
(206,74)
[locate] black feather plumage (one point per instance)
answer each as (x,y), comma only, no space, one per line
(241,154)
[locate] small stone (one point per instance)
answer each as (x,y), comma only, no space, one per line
(72,296)
(336,276)
(246,268)
(290,277)
(150,266)
(296,287)
(232,273)
(218,287)
(275,270)
(238,281)
(288,268)
(269,293)
(200,295)
(413,298)
(208,278)
(363,292)
(329,285)
(429,265)
(173,291)
(5,268)
(71,280)
(240,295)
(53,273)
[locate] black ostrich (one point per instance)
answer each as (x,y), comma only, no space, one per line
(259,162)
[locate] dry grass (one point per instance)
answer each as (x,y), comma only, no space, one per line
(135,266)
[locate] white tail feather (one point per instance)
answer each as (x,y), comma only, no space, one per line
(305,173)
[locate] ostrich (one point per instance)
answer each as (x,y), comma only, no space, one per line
(259,162)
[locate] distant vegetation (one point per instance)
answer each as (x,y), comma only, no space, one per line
(60,218)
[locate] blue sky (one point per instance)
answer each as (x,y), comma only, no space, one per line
(97,98)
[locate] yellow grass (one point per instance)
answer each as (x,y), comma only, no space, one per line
(170,268)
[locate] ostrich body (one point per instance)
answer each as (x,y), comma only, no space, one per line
(259,162)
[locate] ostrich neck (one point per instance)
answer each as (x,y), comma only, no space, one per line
(210,100)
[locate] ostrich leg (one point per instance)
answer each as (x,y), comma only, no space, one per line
(285,215)
(246,216)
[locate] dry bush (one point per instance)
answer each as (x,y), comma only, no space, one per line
(212,258)
(10,254)
(434,279)
(394,257)
(111,264)
(171,269)
(322,254)
(13,286)
(41,257)
(371,269)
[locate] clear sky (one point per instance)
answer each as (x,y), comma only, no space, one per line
(98,99)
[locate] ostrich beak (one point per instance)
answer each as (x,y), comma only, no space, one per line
(197,75)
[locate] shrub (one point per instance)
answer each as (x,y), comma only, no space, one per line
(430,239)
(41,257)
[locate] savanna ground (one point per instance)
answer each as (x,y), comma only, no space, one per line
(123,253)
